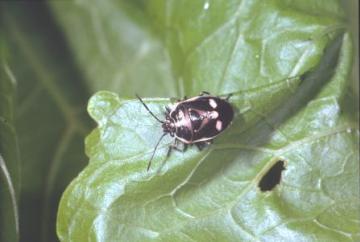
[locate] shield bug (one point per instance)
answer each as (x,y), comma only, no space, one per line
(197,120)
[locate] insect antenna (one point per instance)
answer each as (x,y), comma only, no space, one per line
(148,109)
(152,156)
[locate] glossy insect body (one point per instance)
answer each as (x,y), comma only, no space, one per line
(197,120)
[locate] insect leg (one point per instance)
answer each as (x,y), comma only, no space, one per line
(174,99)
(204,93)
(175,147)
(179,100)
(228,97)
(202,145)
(184,146)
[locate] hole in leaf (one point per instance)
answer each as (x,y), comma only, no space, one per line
(272,177)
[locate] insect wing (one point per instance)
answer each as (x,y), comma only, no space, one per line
(209,116)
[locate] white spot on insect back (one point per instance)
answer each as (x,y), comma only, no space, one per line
(213,115)
(206,5)
(212,103)
(218,125)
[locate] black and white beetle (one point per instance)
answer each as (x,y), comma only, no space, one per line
(196,120)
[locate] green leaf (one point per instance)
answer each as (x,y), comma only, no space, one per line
(9,156)
(48,118)
(55,72)
(288,64)
(115,49)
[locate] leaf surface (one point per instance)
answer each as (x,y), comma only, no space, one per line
(9,155)
(288,67)
(55,75)
(114,47)
(47,115)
